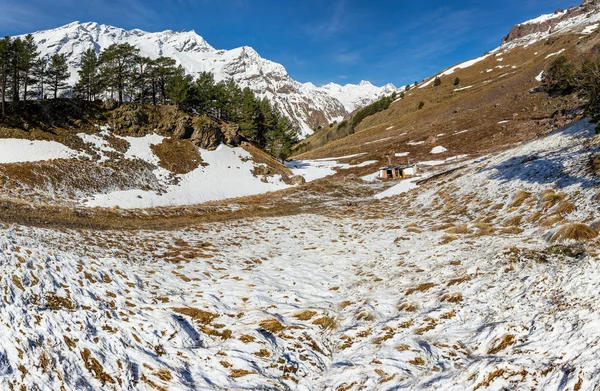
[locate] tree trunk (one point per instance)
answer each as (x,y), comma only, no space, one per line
(3,97)
(25,85)
(154,93)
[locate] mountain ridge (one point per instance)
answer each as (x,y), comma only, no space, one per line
(308,106)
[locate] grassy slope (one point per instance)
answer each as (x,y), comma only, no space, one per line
(500,95)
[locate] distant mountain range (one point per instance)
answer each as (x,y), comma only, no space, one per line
(307,105)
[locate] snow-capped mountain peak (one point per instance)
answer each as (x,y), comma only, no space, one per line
(355,96)
(307,105)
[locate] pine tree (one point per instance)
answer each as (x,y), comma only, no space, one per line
(117,67)
(205,91)
(88,84)
(420,105)
(589,88)
(143,76)
(407,88)
(16,47)
(437,81)
(58,73)
(28,58)
(4,69)
(281,138)
(560,76)
(39,73)
(249,113)
(179,87)
(163,69)
(457,81)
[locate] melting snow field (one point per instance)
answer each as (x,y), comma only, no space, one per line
(451,286)
(413,291)
(20,151)
(228,175)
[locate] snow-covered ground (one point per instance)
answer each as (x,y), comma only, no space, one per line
(21,151)
(224,173)
(228,174)
(451,286)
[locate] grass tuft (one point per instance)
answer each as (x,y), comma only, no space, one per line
(575,231)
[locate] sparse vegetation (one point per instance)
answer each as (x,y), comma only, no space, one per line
(575,231)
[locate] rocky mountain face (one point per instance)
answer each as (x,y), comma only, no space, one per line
(573,19)
(307,105)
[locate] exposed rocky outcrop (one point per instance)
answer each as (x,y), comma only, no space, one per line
(548,24)
(204,131)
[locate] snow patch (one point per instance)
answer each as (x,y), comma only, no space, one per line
(439,149)
(555,54)
(21,151)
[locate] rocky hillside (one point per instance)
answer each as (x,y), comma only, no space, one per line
(307,105)
(66,152)
(558,22)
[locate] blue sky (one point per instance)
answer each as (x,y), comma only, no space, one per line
(343,41)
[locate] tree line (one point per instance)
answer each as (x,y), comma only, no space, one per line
(121,73)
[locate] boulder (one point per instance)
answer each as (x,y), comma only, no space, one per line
(183,128)
(206,135)
(231,134)
(110,104)
(297,180)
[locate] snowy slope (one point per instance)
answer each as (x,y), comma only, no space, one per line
(379,297)
(308,106)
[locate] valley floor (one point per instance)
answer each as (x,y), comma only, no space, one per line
(461,283)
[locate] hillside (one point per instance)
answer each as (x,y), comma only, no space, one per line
(497,103)
(152,248)
(134,156)
(307,105)
(351,296)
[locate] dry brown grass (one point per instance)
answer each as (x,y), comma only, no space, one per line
(574,231)
(408,307)
(502,343)
(452,297)
(484,229)
(164,374)
(490,378)
(177,156)
(565,208)
(272,325)
(326,322)
(459,280)
(200,316)
(458,229)
(235,373)
(247,338)
(519,198)
(448,239)
(56,302)
(420,288)
(305,315)
(95,368)
(417,361)
(550,198)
